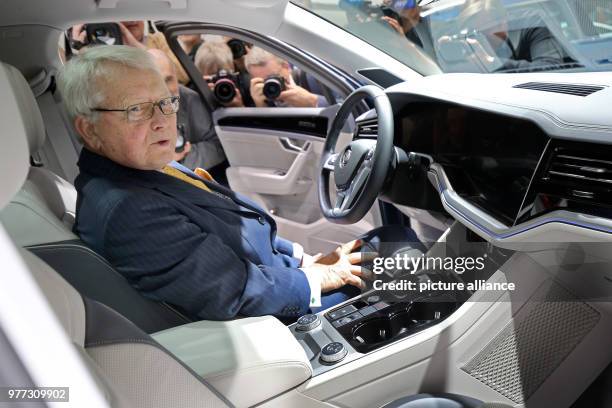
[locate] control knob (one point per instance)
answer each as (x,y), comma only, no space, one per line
(307,322)
(333,352)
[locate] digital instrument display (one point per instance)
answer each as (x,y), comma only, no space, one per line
(489,158)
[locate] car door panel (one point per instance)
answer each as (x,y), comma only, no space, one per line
(279,168)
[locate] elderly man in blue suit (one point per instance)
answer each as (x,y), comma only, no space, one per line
(176,235)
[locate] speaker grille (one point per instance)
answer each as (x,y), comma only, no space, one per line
(526,352)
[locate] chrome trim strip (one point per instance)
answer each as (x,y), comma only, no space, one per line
(498,230)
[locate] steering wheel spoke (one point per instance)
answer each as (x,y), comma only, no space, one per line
(346,198)
(330,162)
(360,168)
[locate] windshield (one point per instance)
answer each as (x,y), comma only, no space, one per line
(480,35)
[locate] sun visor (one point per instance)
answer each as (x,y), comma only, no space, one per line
(263,16)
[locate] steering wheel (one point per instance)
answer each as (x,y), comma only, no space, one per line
(361,168)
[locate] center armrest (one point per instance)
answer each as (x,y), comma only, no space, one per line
(234,355)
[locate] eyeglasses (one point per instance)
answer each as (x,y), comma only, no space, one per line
(144,111)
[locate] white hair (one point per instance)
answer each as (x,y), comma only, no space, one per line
(214,56)
(258,57)
(79,80)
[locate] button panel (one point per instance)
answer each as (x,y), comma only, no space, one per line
(346,310)
(347,319)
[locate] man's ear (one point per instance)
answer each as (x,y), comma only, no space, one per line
(85,128)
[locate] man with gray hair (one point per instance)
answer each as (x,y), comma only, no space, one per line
(261,65)
(175,234)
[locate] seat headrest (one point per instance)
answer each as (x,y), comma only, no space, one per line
(20,120)
(26,102)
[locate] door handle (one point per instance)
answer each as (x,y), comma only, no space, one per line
(289,145)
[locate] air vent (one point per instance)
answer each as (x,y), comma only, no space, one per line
(367,129)
(591,172)
(580,175)
(568,89)
(574,176)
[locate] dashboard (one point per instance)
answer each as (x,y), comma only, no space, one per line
(508,154)
(489,159)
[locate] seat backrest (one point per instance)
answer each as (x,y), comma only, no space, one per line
(44,198)
(41,215)
(29,218)
(131,367)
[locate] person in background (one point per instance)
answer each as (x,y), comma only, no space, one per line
(261,65)
(212,58)
(201,145)
(190,44)
(406,20)
(499,47)
(134,33)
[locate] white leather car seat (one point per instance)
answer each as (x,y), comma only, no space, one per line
(41,214)
(132,369)
(43,210)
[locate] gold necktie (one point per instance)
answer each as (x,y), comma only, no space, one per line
(171,171)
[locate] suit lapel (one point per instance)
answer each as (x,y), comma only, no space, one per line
(192,194)
(100,166)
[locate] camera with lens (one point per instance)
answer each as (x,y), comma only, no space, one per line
(103,34)
(274,85)
(225,85)
(97,34)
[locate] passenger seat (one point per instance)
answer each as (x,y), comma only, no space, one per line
(40,218)
(130,367)
(135,370)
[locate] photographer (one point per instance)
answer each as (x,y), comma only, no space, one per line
(215,61)
(133,33)
(404,16)
(272,83)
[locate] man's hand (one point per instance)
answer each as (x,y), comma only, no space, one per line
(297,97)
(78,38)
(181,155)
(257,94)
(128,38)
(394,24)
(340,267)
(79,33)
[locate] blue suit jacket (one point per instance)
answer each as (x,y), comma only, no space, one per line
(213,256)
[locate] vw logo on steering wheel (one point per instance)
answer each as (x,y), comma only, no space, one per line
(346,156)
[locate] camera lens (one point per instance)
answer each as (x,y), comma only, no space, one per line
(225,90)
(100,32)
(272,88)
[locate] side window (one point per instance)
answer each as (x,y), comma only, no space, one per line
(241,74)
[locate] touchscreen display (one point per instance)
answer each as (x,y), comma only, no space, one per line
(489,158)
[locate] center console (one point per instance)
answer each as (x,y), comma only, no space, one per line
(367,323)
(379,318)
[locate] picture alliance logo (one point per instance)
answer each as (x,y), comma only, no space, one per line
(412,264)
